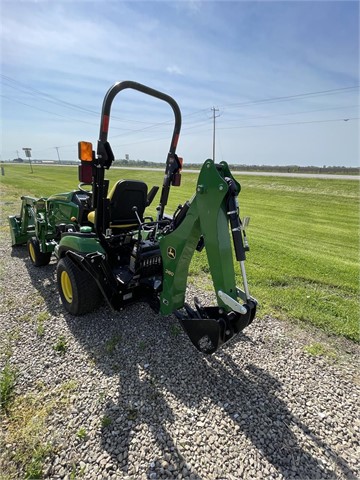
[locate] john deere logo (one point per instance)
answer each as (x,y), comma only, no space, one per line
(171,252)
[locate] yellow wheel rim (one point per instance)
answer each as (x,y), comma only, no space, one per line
(66,286)
(32,252)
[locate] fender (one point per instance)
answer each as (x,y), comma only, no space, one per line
(78,242)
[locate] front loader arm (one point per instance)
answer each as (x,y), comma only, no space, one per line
(208,216)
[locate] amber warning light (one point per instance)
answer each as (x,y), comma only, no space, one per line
(85,151)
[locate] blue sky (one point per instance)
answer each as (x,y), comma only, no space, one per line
(58,59)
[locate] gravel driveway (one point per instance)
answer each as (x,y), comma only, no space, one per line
(120,395)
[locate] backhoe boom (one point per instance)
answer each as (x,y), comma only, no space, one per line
(208,217)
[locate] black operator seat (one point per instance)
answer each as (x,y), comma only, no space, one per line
(124,196)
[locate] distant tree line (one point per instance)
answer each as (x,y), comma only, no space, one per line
(249,168)
(234,167)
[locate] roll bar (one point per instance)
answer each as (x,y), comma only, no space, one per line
(173,165)
(117,88)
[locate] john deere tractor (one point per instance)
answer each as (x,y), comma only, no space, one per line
(106,248)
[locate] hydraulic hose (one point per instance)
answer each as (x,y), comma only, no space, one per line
(233,214)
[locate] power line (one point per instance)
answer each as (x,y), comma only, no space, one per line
(193,124)
(50,98)
(46,111)
(302,112)
(290,97)
(242,126)
(53,99)
(67,117)
(290,123)
(220,128)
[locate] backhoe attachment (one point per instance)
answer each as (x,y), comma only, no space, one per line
(206,221)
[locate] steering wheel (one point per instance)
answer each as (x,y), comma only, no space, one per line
(82,189)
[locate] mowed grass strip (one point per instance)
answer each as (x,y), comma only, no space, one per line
(303,262)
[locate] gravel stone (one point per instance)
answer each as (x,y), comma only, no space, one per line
(153,407)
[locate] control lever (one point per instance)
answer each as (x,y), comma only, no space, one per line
(135,210)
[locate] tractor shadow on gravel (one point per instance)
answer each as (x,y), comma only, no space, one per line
(163,382)
(43,280)
(152,360)
(19,251)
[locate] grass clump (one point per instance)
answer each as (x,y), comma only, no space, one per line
(76,472)
(81,433)
(106,421)
(132,413)
(42,317)
(25,429)
(142,345)
(40,329)
(111,344)
(7,385)
(318,349)
(60,346)
(175,330)
(34,469)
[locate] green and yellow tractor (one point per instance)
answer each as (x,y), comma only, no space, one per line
(106,248)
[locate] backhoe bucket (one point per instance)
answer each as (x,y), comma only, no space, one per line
(210,327)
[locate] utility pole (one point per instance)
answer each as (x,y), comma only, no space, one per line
(214,110)
(57,150)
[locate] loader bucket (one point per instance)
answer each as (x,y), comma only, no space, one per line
(210,327)
(14,222)
(19,235)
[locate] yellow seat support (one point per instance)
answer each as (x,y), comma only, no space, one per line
(91,217)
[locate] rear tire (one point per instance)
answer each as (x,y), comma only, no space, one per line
(78,290)
(39,259)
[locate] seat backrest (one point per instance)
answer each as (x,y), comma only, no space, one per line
(124,195)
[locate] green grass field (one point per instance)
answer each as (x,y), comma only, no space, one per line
(303,263)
